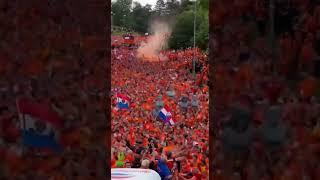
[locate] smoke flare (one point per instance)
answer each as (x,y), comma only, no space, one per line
(150,51)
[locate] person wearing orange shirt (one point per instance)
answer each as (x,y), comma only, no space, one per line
(307,54)
(308,87)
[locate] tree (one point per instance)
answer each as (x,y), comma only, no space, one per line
(182,35)
(140,17)
(172,7)
(121,10)
(160,8)
(204,4)
(202,33)
(185,5)
(182,31)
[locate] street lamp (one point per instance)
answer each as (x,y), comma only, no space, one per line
(271,30)
(112,14)
(194,39)
(124,20)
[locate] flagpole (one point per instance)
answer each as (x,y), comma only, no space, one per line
(271,30)
(21,125)
(24,129)
(24,122)
(155,116)
(194,40)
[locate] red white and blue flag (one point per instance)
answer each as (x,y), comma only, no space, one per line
(166,115)
(39,124)
(122,101)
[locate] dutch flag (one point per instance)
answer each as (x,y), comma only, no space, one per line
(122,101)
(166,115)
(39,125)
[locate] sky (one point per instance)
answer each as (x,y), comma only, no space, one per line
(144,2)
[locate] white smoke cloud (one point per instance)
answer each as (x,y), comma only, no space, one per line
(150,51)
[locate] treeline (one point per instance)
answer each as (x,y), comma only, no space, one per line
(132,15)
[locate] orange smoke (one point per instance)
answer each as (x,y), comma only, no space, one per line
(150,51)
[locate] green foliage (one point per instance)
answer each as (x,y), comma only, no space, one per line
(202,33)
(140,17)
(204,4)
(182,35)
(182,31)
(173,7)
(121,8)
(137,17)
(186,5)
(160,8)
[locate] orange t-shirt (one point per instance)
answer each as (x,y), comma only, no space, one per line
(3,65)
(47,166)
(33,67)
(146,106)
(14,162)
(132,139)
(71,138)
(113,163)
(307,52)
(311,24)
(129,157)
(145,142)
(308,87)
(286,47)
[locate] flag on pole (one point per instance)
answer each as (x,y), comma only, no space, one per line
(39,124)
(166,115)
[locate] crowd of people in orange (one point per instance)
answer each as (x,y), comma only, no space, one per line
(266,105)
(266,99)
(140,139)
(47,57)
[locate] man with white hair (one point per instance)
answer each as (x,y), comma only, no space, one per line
(145,164)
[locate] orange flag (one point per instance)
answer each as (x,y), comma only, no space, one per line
(169,148)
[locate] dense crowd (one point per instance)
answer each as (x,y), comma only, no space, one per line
(140,139)
(266,106)
(266,99)
(47,57)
